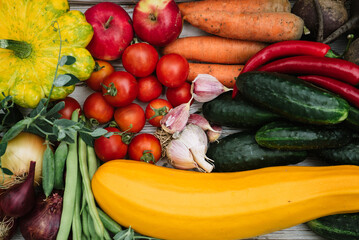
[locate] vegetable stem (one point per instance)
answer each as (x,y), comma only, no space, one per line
(70,187)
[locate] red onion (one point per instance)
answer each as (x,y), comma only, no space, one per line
(20,198)
(43,222)
(8,226)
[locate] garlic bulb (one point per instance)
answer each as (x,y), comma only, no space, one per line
(195,139)
(214,135)
(180,156)
(205,88)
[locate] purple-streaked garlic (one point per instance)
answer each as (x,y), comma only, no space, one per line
(200,121)
(180,156)
(214,135)
(205,88)
(196,141)
(176,119)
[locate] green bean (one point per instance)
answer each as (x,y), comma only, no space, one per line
(70,188)
(98,226)
(90,223)
(108,222)
(85,227)
(76,220)
(60,160)
(48,171)
(92,161)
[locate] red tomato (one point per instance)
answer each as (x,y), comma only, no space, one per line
(102,70)
(130,118)
(120,89)
(97,108)
(155,111)
(71,104)
(140,59)
(172,70)
(177,96)
(110,148)
(149,88)
(145,147)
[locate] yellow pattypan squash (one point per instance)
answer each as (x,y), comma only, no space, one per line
(28,64)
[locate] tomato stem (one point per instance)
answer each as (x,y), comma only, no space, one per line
(148,157)
(111,89)
(159,111)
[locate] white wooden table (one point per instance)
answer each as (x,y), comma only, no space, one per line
(300,232)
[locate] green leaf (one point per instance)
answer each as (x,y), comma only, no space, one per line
(3,146)
(109,134)
(127,234)
(67,60)
(39,108)
(16,129)
(98,132)
(86,137)
(64,123)
(58,106)
(65,80)
(7,171)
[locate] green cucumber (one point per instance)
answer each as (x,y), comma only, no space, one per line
(240,151)
(337,227)
(237,113)
(352,120)
(296,136)
(349,154)
(292,97)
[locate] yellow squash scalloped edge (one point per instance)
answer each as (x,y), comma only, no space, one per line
(35,22)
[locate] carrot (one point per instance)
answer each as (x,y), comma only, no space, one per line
(263,27)
(226,74)
(235,6)
(214,49)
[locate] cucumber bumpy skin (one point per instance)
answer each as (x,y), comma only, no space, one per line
(292,97)
(240,151)
(236,113)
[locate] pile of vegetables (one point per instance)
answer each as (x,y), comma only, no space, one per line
(88,171)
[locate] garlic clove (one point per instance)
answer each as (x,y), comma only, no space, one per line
(176,119)
(213,136)
(179,155)
(199,155)
(205,88)
(200,121)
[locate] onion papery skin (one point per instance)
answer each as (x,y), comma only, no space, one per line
(24,148)
(43,222)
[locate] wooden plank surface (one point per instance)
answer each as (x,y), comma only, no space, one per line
(300,232)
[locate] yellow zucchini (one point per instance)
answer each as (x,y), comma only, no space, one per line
(176,204)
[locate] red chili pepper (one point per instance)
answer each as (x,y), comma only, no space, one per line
(311,65)
(286,49)
(348,92)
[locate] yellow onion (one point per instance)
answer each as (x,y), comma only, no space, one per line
(24,148)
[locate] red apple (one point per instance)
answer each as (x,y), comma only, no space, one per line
(157,22)
(113,30)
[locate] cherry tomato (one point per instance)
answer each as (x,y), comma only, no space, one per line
(120,89)
(110,148)
(145,147)
(96,107)
(102,70)
(155,111)
(149,88)
(130,118)
(140,59)
(71,104)
(172,70)
(177,96)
